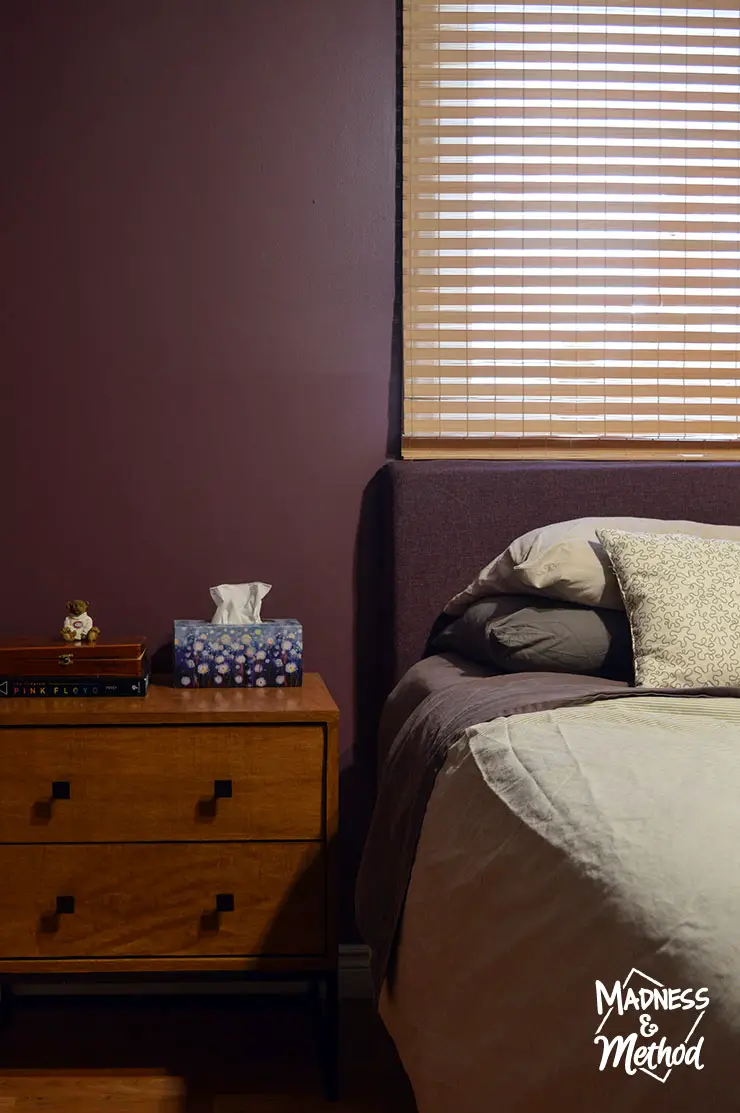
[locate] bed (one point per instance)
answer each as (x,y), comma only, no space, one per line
(510,914)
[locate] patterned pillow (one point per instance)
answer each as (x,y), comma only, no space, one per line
(682,597)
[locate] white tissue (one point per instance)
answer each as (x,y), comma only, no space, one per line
(238,603)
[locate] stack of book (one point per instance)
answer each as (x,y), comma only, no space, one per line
(32,668)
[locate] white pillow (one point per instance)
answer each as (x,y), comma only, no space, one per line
(682,597)
(566,561)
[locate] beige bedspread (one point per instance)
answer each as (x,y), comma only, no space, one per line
(561,849)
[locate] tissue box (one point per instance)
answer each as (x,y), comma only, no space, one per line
(253,655)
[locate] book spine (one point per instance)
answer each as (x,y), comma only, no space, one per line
(77,687)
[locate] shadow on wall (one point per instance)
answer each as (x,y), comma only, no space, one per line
(374,653)
(395,382)
(374,671)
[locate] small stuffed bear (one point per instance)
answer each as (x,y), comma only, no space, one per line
(78,626)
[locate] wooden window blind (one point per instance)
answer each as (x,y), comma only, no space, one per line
(571,220)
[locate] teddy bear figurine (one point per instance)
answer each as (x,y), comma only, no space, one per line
(78,626)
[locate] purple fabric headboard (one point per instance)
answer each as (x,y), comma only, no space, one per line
(449,518)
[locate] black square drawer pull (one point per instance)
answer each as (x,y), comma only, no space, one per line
(225,902)
(65,906)
(60,790)
(222,790)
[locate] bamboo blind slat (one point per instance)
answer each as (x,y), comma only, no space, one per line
(571,229)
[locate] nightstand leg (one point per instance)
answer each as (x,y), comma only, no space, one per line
(330,1037)
(6,1000)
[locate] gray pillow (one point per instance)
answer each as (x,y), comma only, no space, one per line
(522,634)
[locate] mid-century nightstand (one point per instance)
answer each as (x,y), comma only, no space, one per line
(180,833)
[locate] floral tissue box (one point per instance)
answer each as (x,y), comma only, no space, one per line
(254,655)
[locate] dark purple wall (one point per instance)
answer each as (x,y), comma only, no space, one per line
(196,247)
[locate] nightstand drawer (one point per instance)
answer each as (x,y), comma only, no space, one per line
(130,901)
(109,784)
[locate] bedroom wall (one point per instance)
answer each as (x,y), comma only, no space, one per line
(197,263)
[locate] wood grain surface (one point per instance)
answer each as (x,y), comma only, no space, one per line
(136,900)
(114,802)
(204,1055)
(148,784)
(164,704)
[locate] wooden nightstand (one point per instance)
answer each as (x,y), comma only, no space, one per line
(182,833)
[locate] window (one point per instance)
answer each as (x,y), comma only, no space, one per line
(571,229)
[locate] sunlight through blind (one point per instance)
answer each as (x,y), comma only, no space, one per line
(571,229)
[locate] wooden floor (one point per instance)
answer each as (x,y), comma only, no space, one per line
(185,1055)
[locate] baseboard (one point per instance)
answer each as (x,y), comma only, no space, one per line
(354,971)
(354,981)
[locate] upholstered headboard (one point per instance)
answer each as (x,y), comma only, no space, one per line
(447,519)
